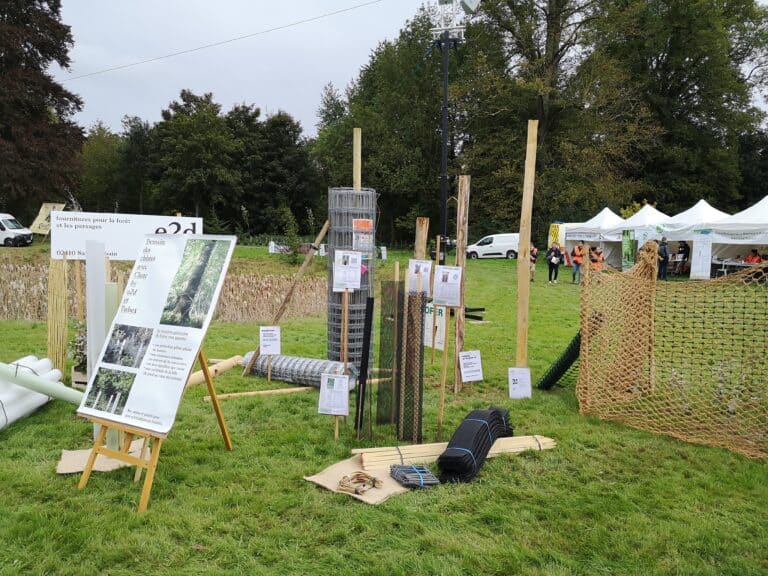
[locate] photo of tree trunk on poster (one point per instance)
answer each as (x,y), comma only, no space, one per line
(110,390)
(193,287)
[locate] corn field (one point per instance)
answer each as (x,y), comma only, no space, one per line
(244,297)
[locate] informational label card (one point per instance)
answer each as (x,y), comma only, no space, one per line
(383,252)
(269,340)
(447,287)
(362,235)
(440,324)
(334,395)
(519,383)
(153,341)
(122,234)
(471,366)
(419,275)
(347,270)
(701,257)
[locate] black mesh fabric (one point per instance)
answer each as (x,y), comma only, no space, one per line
(470,443)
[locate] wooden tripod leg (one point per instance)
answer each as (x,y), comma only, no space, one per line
(142,456)
(92,458)
(214,399)
(150,477)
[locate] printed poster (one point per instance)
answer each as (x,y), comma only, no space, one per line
(153,341)
(269,340)
(628,249)
(446,290)
(347,269)
(419,274)
(471,366)
(362,235)
(701,256)
(440,325)
(334,395)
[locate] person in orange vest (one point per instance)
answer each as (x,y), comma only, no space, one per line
(597,258)
(534,254)
(577,258)
(753,257)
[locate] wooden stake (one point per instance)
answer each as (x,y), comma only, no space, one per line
(462,222)
(277,392)
(357,158)
(434,308)
(289,295)
(443,376)
(57,313)
(344,348)
(214,399)
(395,364)
(523,260)
(422,234)
(269,368)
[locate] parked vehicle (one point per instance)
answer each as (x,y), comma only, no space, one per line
(495,246)
(12,233)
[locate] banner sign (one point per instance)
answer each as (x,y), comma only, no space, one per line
(419,274)
(269,340)
(628,249)
(347,269)
(153,341)
(447,288)
(42,224)
(701,258)
(519,383)
(122,234)
(362,235)
(334,395)
(440,326)
(471,366)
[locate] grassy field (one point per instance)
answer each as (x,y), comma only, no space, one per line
(607,500)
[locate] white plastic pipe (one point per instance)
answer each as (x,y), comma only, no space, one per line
(26,378)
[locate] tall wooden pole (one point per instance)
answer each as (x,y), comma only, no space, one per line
(357,158)
(422,233)
(462,222)
(523,260)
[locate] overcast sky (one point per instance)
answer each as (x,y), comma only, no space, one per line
(280,70)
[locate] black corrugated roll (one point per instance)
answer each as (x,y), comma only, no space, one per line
(470,443)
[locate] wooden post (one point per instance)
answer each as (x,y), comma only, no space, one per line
(357,158)
(269,368)
(289,295)
(394,355)
(344,347)
(523,260)
(422,234)
(443,376)
(214,399)
(434,308)
(57,313)
(462,222)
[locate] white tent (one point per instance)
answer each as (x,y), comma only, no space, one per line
(680,226)
(595,231)
(749,226)
(646,224)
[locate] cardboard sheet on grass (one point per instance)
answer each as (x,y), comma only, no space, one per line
(416,454)
(74,461)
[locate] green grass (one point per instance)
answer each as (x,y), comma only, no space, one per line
(607,500)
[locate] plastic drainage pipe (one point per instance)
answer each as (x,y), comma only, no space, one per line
(24,377)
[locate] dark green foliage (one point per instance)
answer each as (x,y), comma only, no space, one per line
(39,143)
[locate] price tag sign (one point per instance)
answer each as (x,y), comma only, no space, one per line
(269,340)
(471,366)
(519,383)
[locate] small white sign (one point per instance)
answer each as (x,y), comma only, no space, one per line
(519,383)
(346,270)
(440,325)
(447,288)
(334,395)
(383,252)
(122,234)
(269,340)
(362,235)
(471,366)
(419,275)
(323,250)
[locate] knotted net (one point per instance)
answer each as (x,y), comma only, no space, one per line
(687,359)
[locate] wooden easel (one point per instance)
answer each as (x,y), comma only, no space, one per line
(152,442)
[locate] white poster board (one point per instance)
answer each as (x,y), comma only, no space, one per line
(440,325)
(519,383)
(347,270)
(471,366)
(701,256)
(334,395)
(362,235)
(447,287)
(122,234)
(42,224)
(383,252)
(153,341)
(269,340)
(419,274)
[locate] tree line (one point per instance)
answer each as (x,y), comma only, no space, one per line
(636,100)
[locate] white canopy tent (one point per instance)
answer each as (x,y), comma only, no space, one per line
(597,231)
(647,224)
(680,226)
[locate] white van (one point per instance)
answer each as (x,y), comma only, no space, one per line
(495,246)
(12,233)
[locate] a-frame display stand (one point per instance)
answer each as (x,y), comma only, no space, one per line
(152,442)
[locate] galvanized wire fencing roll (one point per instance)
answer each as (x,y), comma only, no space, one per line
(298,370)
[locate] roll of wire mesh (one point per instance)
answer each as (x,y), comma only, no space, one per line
(298,370)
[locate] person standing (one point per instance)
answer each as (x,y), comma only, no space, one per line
(534,256)
(663,258)
(577,258)
(554,257)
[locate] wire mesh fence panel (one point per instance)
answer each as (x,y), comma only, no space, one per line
(411,396)
(389,351)
(687,359)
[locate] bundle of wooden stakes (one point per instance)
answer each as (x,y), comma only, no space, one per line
(377,458)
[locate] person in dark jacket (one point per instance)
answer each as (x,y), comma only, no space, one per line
(663,258)
(554,257)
